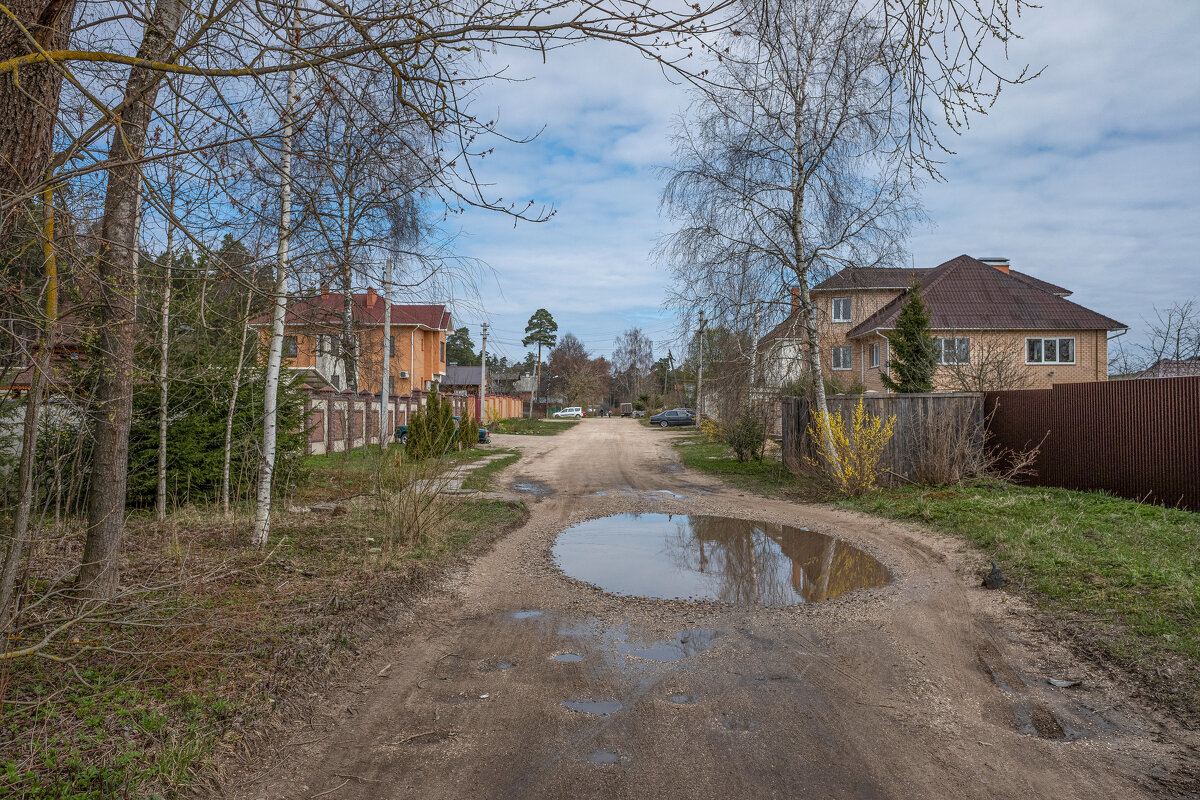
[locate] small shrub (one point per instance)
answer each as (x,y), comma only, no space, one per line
(747,435)
(711,428)
(468,432)
(431,431)
(855,467)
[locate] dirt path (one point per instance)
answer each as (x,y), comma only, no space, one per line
(927,688)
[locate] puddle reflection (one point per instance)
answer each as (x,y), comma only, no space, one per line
(736,561)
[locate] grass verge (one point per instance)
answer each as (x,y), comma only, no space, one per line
(1124,575)
(481,478)
(226,637)
(532,427)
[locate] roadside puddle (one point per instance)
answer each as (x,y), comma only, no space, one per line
(526,614)
(598,707)
(683,699)
(568,658)
(703,558)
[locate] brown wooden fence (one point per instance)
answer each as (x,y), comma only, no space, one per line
(915,414)
(1137,438)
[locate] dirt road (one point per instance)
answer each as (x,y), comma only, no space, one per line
(929,687)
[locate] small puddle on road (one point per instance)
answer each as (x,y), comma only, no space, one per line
(604,757)
(685,645)
(526,614)
(741,562)
(535,488)
(568,658)
(681,699)
(738,724)
(598,707)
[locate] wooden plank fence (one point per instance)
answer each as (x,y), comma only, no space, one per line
(915,414)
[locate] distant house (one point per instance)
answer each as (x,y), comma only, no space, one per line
(1168,368)
(994,327)
(313,331)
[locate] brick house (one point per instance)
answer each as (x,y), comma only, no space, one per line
(313,330)
(994,327)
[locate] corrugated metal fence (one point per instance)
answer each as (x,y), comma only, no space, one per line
(1138,438)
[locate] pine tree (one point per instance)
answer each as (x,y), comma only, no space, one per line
(912,360)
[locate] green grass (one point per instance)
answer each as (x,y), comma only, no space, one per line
(768,477)
(334,476)
(1134,566)
(481,478)
(533,427)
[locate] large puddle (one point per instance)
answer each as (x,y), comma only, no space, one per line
(742,562)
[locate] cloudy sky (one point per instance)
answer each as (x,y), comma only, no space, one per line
(1088,177)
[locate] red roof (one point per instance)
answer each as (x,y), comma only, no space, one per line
(903,277)
(326,310)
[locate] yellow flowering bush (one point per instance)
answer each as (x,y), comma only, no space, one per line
(710,428)
(854,466)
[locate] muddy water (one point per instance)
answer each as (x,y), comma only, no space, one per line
(736,561)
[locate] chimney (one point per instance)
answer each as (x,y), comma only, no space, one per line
(795,298)
(996,263)
(371,297)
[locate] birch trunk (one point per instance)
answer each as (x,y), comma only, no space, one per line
(160,505)
(98,574)
(266,468)
(237,384)
(14,547)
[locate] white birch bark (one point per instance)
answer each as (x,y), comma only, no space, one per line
(237,385)
(266,470)
(160,504)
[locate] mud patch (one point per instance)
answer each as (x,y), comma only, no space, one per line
(600,708)
(740,562)
(739,724)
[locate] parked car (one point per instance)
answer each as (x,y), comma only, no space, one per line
(676,416)
(401,434)
(574,412)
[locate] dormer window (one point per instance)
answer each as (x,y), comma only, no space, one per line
(841,309)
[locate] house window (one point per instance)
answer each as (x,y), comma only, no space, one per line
(442,350)
(392,346)
(841,357)
(953,351)
(1050,351)
(290,347)
(841,310)
(875,354)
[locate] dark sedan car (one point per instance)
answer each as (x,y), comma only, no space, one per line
(676,416)
(401,434)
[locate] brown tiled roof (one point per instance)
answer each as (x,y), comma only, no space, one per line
(326,309)
(903,277)
(966,294)
(1167,368)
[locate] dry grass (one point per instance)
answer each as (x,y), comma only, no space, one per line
(208,641)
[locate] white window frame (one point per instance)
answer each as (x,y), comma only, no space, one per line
(833,309)
(847,360)
(875,353)
(941,350)
(1058,340)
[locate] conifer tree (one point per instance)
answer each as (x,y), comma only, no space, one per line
(912,360)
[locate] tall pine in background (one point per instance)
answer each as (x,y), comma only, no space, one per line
(912,359)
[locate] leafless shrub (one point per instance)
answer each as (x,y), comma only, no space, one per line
(948,444)
(414,501)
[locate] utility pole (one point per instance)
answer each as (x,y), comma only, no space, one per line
(385,383)
(483,375)
(700,370)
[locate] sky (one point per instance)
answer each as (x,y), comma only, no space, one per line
(1088,176)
